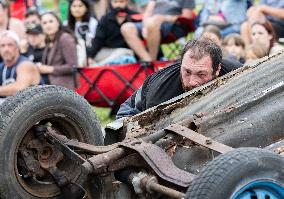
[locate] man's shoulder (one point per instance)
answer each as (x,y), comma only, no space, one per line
(26,65)
(168,70)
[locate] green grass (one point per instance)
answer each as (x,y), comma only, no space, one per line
(104,115)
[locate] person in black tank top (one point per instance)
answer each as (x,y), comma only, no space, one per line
(16,72)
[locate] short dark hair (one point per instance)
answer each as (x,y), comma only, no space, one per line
(202,47)
(238,40)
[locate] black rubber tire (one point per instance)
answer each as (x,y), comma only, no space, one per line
(226,174)
(26,108)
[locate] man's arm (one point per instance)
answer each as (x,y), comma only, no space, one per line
(27,75)
(274,12)
(131,106)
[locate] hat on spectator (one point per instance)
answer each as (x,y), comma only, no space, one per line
(34,29)
(11,34)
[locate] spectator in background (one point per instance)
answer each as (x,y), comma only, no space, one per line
(158,20)
(228,63)
(60,54)
(36,43)
(212,32)
(80,20)
(31,17)
(16,71)
(10,23)
(100,7)
(234,46)
(272,11)
(264,34)
(108,44)
(255,51)
(228,15)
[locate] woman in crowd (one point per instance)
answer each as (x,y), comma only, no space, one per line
(60,54)
(264,34)
(80,19)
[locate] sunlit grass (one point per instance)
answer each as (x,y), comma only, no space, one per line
(103,115)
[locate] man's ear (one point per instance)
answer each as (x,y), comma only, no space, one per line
(218,70)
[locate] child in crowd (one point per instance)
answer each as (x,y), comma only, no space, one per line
(255,51)
(212,32)
(80,20)
(109,45)
(36,43)
(234,45)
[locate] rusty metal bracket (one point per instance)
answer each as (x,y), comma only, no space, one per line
(199,138)
(160,162)
(75,144)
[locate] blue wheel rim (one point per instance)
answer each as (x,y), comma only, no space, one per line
(261,189)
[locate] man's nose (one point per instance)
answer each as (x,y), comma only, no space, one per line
(193,82)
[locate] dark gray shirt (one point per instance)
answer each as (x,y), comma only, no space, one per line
(172,7)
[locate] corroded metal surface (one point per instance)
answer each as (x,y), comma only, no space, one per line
(199,139)
(248,85)
(160,162)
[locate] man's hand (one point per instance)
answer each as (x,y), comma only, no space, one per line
(255,14)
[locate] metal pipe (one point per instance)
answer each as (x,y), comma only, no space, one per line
(150,184)
(98,164)
(165,190)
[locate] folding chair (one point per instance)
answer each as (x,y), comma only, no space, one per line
(110,86)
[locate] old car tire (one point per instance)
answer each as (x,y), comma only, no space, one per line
(238,174)
(67,112)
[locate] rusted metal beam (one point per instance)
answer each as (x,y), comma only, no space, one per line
(150,184)
(165,190)
(74,144)
(160,162)
(199,138)
(98,164)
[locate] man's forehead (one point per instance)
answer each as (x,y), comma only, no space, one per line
(7,40)
(190,61)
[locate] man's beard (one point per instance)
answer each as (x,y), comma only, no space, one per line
(117,10)
(186,88)
(8,59)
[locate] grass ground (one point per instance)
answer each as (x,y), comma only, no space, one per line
(104,115)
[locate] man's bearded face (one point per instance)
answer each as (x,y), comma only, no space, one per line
(8,49)
(195,72)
